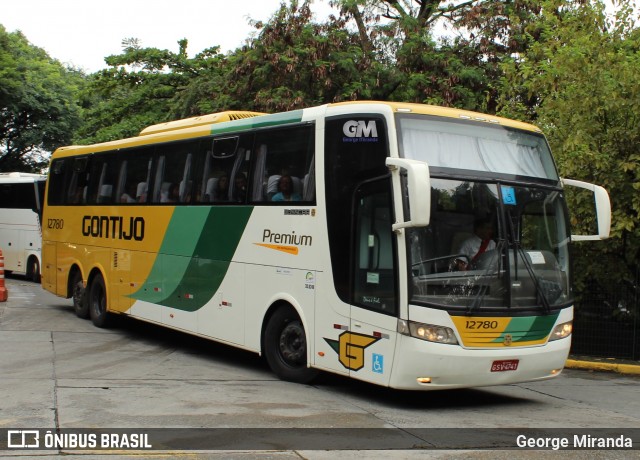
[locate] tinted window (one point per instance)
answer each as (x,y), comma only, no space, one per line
(284,165)
(18,196)
(355,151)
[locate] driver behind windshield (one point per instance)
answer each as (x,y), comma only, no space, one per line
(480,242)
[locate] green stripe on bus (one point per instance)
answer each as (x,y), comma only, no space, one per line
(529,328)
(262,121)
(190,267)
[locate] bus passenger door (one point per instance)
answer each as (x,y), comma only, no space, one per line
(371,344)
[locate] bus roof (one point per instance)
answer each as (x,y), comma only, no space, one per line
(448,112)
(204,125)
(15,177)
(202,120)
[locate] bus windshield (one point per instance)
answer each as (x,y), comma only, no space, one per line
(491,246)
(461,145)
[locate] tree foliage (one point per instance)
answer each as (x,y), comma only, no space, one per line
(577,78)
(292,62)
(38,109)
(561,64)
(137,90)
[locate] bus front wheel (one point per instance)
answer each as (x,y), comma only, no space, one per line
(285,344)
(98,303)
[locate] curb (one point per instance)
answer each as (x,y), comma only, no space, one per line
(628,369)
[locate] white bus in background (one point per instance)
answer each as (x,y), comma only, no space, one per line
(21,197)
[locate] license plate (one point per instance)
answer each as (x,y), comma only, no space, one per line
(505,365)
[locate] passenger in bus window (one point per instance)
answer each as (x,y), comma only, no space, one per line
(128,195)
(174,193)
(285,190)
(172,196)
(240,187)
(141,192)
(221,193)
(77,196)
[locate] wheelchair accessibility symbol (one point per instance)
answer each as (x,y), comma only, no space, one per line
(508,195)
(378,364)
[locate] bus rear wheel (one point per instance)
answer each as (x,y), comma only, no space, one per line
(98,303)
(285,344)
(78,293)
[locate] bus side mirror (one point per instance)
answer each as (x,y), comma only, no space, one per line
(419,190)
(603,209)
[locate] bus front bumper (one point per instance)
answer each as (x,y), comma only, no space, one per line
(422,365)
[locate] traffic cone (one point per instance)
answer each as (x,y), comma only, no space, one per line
(4,294)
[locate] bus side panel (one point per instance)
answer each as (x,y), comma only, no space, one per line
(19,235)
(330,323)
(12,249)
(142,277)
(175,267)
(274,284)
(120,281)
(92,258)
(19,225)
(49,280)
(223,317)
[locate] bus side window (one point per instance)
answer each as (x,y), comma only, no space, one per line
(103,179)
(57,182)
(135,174)
(77,193)
(284,166)
(173,175)
(226,168)
(374,270)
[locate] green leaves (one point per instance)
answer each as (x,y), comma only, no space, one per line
(578,81)
(563,65)
(38,109)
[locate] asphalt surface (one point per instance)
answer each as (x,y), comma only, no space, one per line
(30,403)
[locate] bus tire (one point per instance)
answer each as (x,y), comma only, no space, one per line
(78,294)
(33,270)
(98,303)
(285,344)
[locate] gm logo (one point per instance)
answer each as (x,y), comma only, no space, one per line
(360,129)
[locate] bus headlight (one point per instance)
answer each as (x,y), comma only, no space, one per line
(428,332)
(561,331)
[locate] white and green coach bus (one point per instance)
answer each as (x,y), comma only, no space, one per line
(328,239)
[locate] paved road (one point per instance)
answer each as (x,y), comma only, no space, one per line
(60,372)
